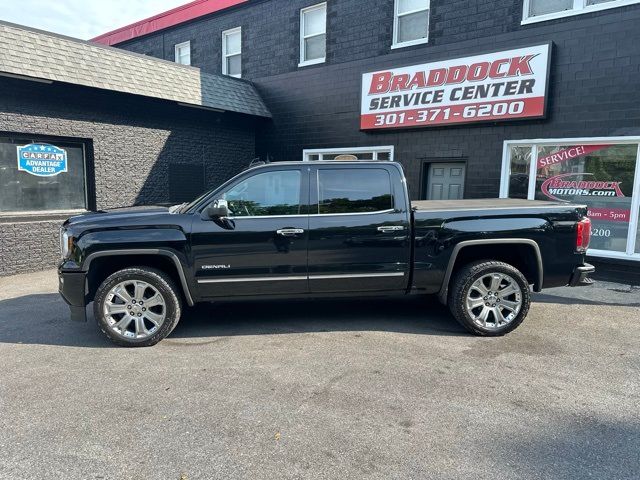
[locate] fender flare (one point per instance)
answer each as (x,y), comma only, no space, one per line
(86,264)
(537,286)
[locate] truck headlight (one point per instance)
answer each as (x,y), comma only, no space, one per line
(66,243)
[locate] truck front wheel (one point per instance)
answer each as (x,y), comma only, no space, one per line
(137,307)
(489,298)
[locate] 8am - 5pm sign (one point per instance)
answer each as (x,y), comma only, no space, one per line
(499,86)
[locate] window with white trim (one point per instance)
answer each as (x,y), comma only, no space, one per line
(602,173)
(183,53)
(541,10)
(384,153)
(232,52)
(313,34)
(410,22)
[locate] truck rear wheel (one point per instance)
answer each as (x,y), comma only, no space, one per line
(489,298)
(137,307)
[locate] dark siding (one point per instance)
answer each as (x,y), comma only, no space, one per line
(134,142)
(594,92)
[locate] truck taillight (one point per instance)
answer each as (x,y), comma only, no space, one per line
(583,235)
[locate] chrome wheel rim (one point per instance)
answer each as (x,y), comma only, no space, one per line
(134,309)
(494,300)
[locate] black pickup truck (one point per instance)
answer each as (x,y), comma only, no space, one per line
(285,230)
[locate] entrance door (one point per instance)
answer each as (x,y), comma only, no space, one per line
(261,249)
(445,181)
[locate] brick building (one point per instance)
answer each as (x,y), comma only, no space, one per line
(539,98)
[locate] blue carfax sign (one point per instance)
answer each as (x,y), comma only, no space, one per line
(42,160)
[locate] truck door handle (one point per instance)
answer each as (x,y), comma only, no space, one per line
(290,232)
(391,228)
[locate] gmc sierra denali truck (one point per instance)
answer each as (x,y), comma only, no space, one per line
(319,229)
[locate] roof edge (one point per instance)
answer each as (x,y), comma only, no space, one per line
(161,21)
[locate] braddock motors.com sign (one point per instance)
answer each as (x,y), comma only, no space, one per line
(497,86)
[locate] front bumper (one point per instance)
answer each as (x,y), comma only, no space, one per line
(72,287)
(580,276)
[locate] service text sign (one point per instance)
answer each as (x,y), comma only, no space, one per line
(499,86)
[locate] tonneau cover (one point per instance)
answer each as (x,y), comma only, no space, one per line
(482,204)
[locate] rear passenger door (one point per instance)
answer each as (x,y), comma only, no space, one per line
(359,231)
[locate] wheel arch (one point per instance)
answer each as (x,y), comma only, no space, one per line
(104,264)
(488,249)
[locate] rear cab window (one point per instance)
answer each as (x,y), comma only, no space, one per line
(354,191)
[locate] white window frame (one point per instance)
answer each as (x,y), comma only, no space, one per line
(397,15)
(178,47)
(579,7)
(225,55)
(303,36)
(390,149)
(634,221)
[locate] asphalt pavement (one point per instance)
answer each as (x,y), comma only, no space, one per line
(347,389)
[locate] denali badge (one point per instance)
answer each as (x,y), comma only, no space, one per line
(216,267)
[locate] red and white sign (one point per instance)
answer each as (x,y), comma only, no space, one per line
(569,153)
(498,86)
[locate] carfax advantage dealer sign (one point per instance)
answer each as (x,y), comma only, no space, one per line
(497,86)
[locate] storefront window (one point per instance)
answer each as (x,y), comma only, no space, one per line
(40,176)
(599,174)
(519,172)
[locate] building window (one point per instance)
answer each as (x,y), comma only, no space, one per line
(232,52)
(183,53)
(411,22)
(602,173)
(541,10)
(38,175)
(358,153)
(313,34)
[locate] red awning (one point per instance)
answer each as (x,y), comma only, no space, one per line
(164,20)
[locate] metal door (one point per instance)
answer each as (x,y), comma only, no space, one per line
(445,181)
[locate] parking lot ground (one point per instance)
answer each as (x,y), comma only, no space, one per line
(358,389)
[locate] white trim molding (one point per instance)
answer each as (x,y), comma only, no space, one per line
(630,252)
(178,56)
(579,7)
(303,36)
(390,149)
(226,55)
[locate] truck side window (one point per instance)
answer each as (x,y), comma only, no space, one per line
(354,191)
(266,194)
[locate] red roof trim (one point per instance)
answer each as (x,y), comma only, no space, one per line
(164,20)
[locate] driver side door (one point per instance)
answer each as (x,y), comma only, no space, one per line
(261,248)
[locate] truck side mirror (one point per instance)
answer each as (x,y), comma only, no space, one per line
(218,210)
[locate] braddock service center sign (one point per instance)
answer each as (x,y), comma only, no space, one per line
(42,160)
(497,86)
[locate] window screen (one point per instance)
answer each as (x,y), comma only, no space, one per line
(41,181)
(313,30)
(543,7)
(354,191)
(412,20)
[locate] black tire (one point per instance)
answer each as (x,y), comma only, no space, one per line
(158,280)
(462,283)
